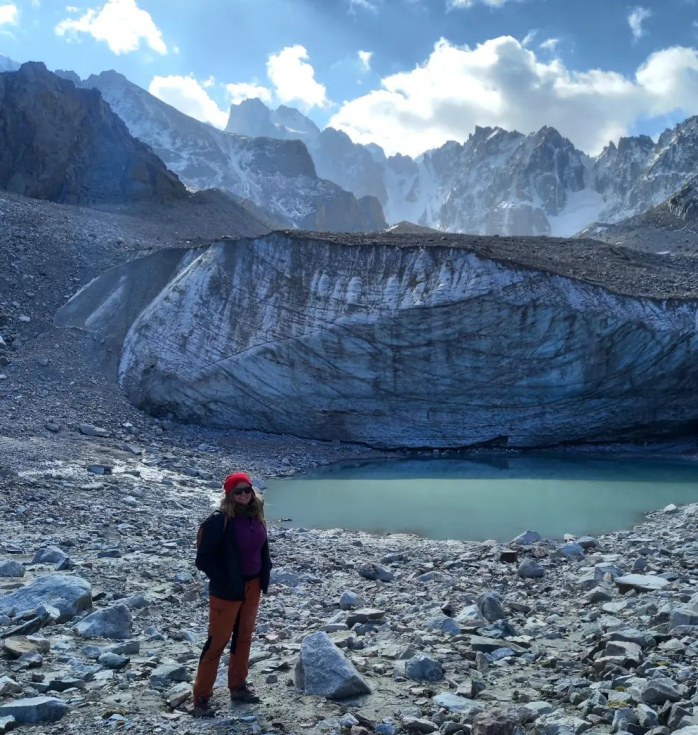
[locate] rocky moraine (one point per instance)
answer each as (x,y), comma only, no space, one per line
(102,612)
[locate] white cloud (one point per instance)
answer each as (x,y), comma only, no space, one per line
(371,5)
(551,44)
(635,20)
(529,37)
(294,79)
(244,91)
(470,3)
(120,23)
(8,15)
(500,82)
(365,60)
(189,97)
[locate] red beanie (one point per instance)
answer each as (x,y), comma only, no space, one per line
(235,479)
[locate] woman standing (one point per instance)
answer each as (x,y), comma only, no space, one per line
(233,552)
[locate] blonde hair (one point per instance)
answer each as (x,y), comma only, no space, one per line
(254,509)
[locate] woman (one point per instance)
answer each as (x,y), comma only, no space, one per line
(233,552)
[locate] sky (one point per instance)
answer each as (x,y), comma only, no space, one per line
(409,75)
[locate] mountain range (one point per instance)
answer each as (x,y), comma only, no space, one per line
(498,181)
(277,176)
(289,173)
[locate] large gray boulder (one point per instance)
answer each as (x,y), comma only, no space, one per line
(69,595)
(683,616)
(530,569)
(322,669)
(114,623)
(35,710)
(373,315)
(490,607)
(49,555)
(11,568)
(424,668)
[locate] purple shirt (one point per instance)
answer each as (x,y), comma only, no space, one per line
(251,537)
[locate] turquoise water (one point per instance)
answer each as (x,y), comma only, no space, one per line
(484,497)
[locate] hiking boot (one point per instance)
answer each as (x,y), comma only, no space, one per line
(244,693)
(203,708)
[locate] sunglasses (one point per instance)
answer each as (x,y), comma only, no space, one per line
(242,491)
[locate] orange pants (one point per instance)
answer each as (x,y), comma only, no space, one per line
(226,619)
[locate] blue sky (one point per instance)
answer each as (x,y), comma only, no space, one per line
(408,74)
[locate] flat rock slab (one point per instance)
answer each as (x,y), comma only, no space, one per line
(35,710)
(489,645)
(364,615)
(20,645)
(70,595)
(641,583)
(454,703)
(323,670)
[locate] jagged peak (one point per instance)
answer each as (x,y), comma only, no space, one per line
(110,76)
(251,103)
(633,142)
(550,134)
(336,134)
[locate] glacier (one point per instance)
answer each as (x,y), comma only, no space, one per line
(406,341)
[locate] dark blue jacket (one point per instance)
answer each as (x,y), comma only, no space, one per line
(218,557)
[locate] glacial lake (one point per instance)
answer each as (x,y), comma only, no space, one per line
(485,496)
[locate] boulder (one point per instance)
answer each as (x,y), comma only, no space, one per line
(364,616)
(470,617)
(50,555)
(35,710)
(349,600)
(11,568)
(496,722)
(530,569)
(683,616)
(113,623)
(641,583)
(323,670)
(166,674)
(424,668)
(445,625)
(18,646)
(527,537)
(660,690)
(647,718)
(570,550)
(373,572)
(69,595)
(113,660)
(588,542)
(8,686)
(490,607)
(630,652)
(285,577)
